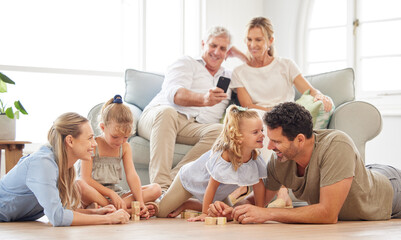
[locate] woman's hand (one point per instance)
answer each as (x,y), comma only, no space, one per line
(119,216)
(117,201)
(235,52)
(326,101)
(105,210)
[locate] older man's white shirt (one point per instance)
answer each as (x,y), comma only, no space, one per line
(192,74)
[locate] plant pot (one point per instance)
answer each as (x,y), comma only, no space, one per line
(7,128)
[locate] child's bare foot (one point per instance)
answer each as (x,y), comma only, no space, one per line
(283,199)
(176,212)
(239,194)
(283,194)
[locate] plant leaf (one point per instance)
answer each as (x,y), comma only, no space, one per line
(16,114)
(5,79)
(19,106)
(3,87)
(9,113)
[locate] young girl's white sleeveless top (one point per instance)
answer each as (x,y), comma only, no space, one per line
(195,175)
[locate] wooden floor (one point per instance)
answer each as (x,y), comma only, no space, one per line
(181,229)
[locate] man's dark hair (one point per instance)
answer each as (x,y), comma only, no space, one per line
(292,117)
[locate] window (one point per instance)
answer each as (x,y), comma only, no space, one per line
(360,34)
(327,36)
(68,55)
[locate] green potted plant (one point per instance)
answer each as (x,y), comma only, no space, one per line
(7,114)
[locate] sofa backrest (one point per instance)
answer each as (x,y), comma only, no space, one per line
(339,85)
(141,87)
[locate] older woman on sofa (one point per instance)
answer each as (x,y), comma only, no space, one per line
(266,80)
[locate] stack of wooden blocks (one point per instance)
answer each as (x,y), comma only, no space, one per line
(215,220)
(136,209)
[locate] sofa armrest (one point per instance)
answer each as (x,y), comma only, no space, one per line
(93,117)
(136,112)
(360,120)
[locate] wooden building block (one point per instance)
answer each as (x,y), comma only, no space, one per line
(135,217)
(135,210)
(210,221)
(215,220)
(221,220)
(135,204)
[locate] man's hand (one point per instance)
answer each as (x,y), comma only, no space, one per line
(249,214)
(214,96)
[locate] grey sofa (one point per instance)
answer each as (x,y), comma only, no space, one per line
(361,120)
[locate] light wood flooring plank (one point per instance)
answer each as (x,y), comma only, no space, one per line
(181,229)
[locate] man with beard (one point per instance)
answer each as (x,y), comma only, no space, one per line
(323,168)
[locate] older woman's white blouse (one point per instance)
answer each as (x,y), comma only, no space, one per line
(269,85)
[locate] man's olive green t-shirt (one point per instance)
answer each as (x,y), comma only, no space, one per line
(335,158)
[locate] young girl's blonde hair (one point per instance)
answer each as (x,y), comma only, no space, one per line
(66,124)
(230,138)
(115,111)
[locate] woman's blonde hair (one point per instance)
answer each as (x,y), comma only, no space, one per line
(66,124)
(115,111)
(267,29)
(230,138)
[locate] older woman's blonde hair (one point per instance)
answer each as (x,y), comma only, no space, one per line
(66,124)
(230,138)
(118,113)
(266,26)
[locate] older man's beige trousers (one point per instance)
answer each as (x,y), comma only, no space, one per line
(163,126)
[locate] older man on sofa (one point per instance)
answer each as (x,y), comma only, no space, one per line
(187,109)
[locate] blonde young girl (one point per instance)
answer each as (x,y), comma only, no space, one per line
(104,172)
(232,162)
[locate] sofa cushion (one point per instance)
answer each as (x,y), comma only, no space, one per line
(141,155)
(320,117)
(339,85)
(141,87)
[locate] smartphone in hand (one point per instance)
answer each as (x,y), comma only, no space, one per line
(223,83)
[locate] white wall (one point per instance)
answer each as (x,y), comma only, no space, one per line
(234,15)
(285,16)
(386,147)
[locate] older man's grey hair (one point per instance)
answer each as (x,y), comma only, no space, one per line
(217,31)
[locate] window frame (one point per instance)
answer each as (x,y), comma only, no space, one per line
(388,102)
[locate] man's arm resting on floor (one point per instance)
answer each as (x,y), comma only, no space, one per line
(331,200)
